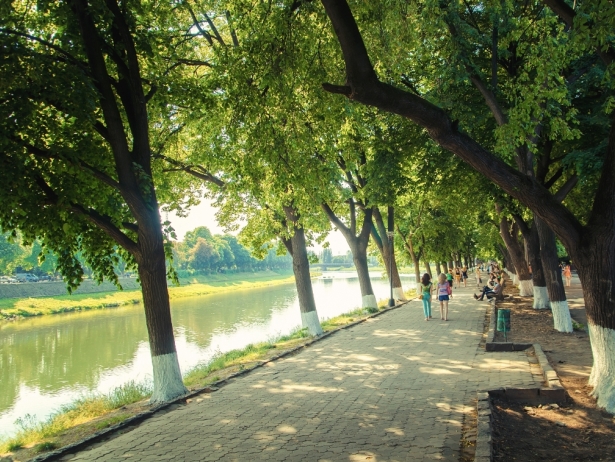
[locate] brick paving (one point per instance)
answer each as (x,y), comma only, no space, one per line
(394,388)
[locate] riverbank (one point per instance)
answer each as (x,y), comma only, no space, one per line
(195,286)
(92,414)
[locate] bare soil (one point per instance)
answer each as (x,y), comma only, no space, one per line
(576,431)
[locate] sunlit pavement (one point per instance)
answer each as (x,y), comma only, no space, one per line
(393,388)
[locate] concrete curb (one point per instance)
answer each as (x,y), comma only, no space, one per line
(142,416)
(550,376)
(483,451)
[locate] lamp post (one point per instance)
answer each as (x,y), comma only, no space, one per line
(390,235)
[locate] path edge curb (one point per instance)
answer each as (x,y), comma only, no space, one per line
(483,451)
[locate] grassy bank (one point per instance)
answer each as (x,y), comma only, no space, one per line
(91,414)
(195,286)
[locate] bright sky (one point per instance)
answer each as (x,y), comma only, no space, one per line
(204,214)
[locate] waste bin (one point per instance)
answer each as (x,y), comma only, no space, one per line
(503,320)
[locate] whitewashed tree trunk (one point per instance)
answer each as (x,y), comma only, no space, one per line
(562,321)
(526,288)
(398,294)
(369,301)
(515,279)
(310,320)
(166,383)
(601,378)
(541,298)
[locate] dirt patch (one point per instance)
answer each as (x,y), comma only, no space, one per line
(577,431)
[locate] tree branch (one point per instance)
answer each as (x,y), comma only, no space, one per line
(230,25)
(197,24)
(369,91)
(561,194)
(194,170)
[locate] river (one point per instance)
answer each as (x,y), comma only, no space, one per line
(50,361)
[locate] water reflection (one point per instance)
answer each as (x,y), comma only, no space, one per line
(50,361)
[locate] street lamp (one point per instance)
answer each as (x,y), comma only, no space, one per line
(390,235)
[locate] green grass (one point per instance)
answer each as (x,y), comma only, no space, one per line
(45,446)
(105,423)
(81,411)
(578,326)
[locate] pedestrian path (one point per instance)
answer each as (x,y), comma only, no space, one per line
(394,388)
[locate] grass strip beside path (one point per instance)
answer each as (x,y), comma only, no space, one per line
(94,413)
(192,287)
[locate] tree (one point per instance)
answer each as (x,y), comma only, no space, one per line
(590,244)
(80,114)
(11,254)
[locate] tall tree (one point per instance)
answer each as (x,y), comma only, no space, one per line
(78,106)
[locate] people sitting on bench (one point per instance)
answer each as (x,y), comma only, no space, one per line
(489,292)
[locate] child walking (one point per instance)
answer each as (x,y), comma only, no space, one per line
(444,290)
(426,289)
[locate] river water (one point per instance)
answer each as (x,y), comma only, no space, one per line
(48,362)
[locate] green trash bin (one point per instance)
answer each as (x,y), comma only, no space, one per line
(504,322)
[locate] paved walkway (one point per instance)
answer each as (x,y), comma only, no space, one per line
(393,388)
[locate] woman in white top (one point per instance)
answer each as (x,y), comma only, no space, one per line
(444,292)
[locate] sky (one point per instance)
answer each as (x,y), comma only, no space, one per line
(204,214)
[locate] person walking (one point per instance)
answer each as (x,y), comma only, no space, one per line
(464,275)
(478,278)
(457,277)
(426,290)
(444,294)
(449,277)
(567,275)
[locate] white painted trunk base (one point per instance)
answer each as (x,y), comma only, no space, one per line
(168,383)
(561,316)
(311,321)
(602,377)
(515,279)
(541,298)
(398,294)
(526,288)
(369,301)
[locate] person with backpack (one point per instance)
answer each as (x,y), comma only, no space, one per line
(444,294)
(426,289)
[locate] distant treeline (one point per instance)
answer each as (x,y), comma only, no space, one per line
(199,252)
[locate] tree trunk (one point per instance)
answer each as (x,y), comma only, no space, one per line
(507,261)
(595,261)
(301,269)
(359,256)
(541,294)
(168,383)
(358,248)
(451,265)
(518,258)
(438,269)
(553,276)
(428,268)
(445,267)
(381,238)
